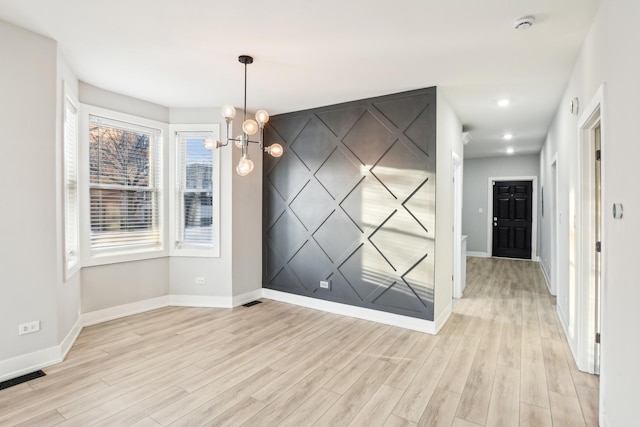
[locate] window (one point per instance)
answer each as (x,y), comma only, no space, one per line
(71,204)
(196,196)
(125,177)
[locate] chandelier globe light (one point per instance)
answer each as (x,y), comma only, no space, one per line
(250,128)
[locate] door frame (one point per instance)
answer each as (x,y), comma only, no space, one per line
(534,211)
(555,230)
(456,170)
(592,116)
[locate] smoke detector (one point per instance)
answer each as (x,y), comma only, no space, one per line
(523,23)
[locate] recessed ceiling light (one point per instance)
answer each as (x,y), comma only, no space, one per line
(508,136)
(503,102)
(510,150)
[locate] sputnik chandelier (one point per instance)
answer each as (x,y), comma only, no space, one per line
(249,128)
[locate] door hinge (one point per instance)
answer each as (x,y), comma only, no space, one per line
(597,337)
(598,154)
(598,247)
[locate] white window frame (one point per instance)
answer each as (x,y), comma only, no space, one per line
(175,201)
(70,164)
(100,257)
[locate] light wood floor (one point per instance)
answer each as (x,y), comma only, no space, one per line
(500,360)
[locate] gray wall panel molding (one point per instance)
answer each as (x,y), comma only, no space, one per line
(352,200)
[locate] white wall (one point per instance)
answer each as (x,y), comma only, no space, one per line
(28,253)
(448,140)
(110,285)
(98,97)
(607,57)
(622,279)
(475,192)
(247,225)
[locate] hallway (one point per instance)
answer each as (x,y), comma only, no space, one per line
(520,355)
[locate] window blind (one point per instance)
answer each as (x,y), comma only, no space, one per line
(71,204)
(125,176)
(194,207)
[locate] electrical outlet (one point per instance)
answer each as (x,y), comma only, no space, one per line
(325,284)
(28,328)
(200,281)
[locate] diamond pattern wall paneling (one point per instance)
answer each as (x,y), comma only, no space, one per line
(352,200)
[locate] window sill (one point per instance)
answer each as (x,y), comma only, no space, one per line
(129,256)
(196,252)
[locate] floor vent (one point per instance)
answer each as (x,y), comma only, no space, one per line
(21,379)
(249,304)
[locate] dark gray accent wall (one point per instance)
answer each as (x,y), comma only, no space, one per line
(352,200)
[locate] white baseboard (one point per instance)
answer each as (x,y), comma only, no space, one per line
(563,322)
(565,329)
(199,301)
(545,275)
(478,254)
(71,338)
(27,363)
(406,322)
(247,297)
(111,313)
(117,312)
(442,318)
(213,302)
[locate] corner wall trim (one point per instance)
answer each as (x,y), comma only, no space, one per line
(443,317)
(406,322)
(546,276)
(71,338)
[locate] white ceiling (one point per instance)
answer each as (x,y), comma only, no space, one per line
(309,54)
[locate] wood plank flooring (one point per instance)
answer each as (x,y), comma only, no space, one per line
(501,360)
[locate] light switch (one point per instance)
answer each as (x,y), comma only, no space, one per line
(480,210)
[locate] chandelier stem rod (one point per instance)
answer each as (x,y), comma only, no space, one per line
(244,110)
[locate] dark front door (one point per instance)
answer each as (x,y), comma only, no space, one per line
(512,219)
